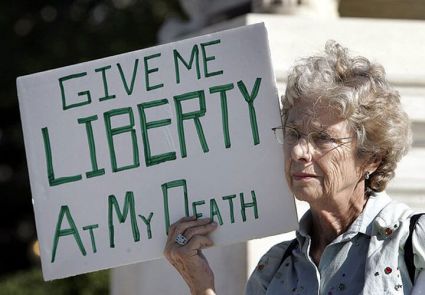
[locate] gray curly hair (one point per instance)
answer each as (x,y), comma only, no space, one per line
(359,91)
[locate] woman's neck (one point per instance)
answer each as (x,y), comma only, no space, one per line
(333,218)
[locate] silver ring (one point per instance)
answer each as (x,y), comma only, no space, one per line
(181,240)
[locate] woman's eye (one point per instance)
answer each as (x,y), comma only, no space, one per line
(291,134)
(322,137)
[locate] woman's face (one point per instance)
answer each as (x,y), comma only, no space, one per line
(325,166)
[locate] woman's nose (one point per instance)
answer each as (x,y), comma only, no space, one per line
(301,151)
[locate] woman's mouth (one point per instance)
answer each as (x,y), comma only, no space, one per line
(303,176)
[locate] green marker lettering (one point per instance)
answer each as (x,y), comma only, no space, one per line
(111,132)
(215,211)
(92,148)
(244,205)
(151,160)
(165,187)
(206,58)
(105,83)
(65,105)
(147,222)
(193,57)
(148,71)
(63,232)
(249,98)
(49,163)
(231,207)
(128,89)
(90,228)
(224,112)
(195,115)
(122,216)
(195,210)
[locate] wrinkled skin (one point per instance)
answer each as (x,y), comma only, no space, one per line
(331,181)
(336,173)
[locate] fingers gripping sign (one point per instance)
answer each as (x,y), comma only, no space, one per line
(186,239)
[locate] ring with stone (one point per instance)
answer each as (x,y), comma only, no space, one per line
(181,240)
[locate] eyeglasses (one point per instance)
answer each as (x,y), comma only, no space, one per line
(318,139)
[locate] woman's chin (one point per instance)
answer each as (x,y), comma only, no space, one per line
(305,195)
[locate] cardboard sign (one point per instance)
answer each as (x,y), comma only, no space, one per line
(120,148)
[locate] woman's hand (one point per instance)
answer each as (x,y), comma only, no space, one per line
(188,258)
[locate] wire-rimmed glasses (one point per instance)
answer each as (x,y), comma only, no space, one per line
(318,139)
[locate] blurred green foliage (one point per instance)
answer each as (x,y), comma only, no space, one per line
(30,282)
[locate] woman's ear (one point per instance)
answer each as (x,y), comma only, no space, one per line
(373,163)
(370,164)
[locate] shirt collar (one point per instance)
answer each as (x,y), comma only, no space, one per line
(305,224)
(374,205)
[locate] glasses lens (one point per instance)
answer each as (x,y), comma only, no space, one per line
(291,135)
(278,133)
(321,140)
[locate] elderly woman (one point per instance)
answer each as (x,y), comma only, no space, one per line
(343,133)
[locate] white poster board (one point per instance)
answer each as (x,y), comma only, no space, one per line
(118,148)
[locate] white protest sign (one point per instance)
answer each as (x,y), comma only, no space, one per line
(121,147)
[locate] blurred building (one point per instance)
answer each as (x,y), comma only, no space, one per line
(391,32)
